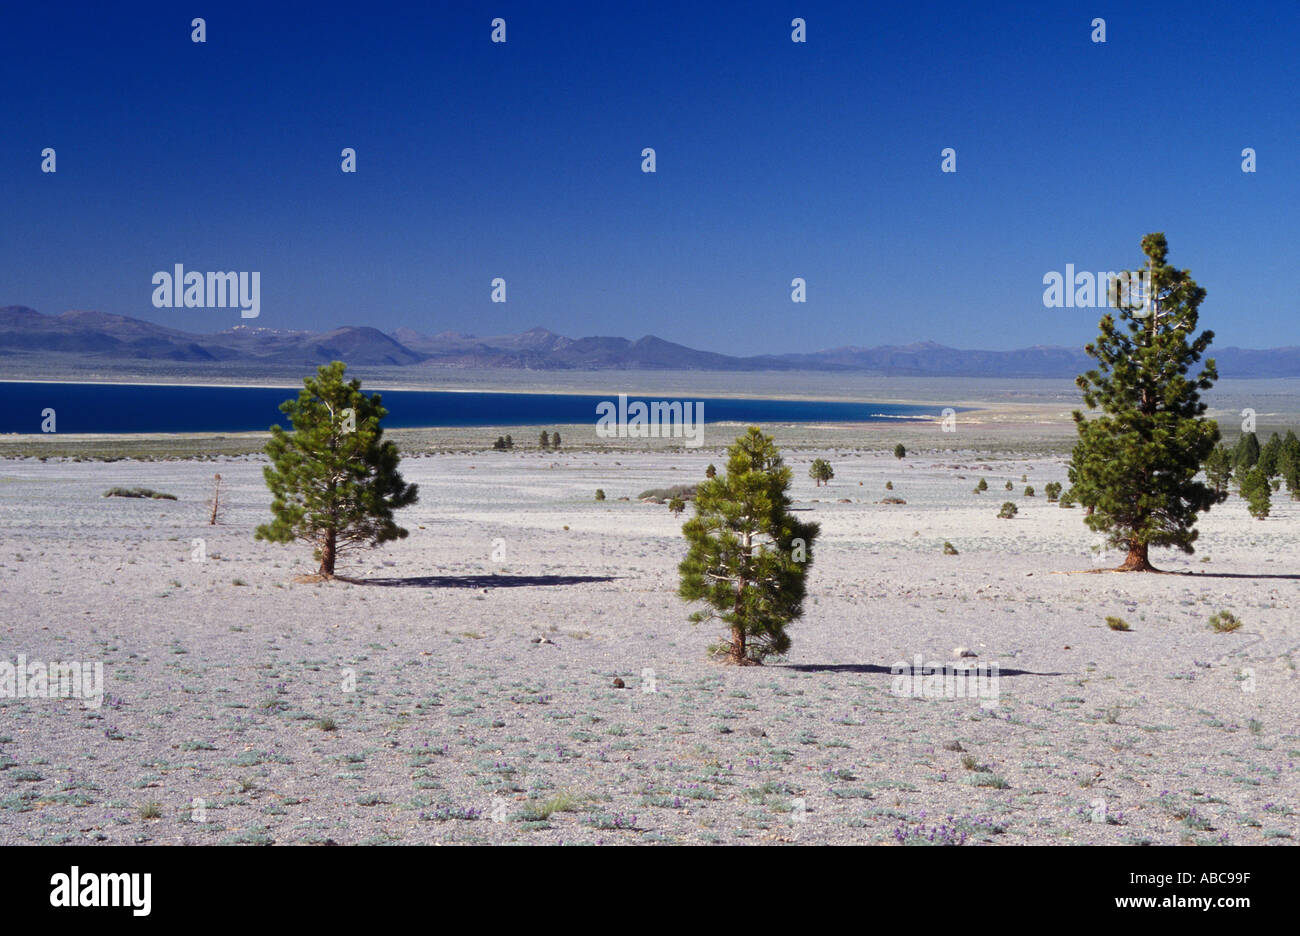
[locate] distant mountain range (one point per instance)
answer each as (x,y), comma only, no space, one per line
(99,336)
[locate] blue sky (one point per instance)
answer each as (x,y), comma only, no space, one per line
(775,160)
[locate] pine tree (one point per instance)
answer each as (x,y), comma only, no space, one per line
(676,505)
(1288,463)
(1218,469)
(1256,490)
(899,451)
(544,440)
(1269,455)
(1246,454)
(748,558)
(334,480)
(821,471)
(555,440)
(710,472)
(1135,464)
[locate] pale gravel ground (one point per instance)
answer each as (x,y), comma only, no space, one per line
(215,688)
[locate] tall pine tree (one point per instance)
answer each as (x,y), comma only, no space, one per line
(748,557)
(334,480)
(1135,464)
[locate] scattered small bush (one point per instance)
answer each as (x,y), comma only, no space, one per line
(1117,624)
(684,491)
(600,494)
(1053,491)
(1029,491)
(1008,511)
(1225,622)
(138,492)
(949,549)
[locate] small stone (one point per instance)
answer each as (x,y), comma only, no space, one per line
(618,683)
(959,652)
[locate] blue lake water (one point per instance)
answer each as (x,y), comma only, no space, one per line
(122,408)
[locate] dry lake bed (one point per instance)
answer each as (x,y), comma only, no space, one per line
(462,688)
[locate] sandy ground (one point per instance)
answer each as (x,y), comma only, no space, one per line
(230,715)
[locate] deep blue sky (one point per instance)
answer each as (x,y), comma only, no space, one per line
(775,160)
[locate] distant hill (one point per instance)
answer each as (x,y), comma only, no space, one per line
(90,337)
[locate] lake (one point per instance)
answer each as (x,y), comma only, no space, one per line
(126,408)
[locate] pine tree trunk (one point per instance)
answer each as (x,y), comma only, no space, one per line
(737,645)
(328,553)
(1137,560)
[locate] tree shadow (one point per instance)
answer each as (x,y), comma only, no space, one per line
(1187,573)
(481,581)
(926,669)
(1240,575)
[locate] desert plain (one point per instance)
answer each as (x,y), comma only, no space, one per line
(520,669)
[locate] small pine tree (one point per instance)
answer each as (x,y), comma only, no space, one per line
(1008,510)
(600,494)
(1246,455)
(1269,456)
(1218,469)
(544,440)
(981,487)
(710,472)
(1255,489)
(334,480)
(1288,463)
(555,440)
(676,505)
(821,471)
(1136,463)
(500,443)
(510,443)
(899,451)
(1053,491)
(1029,491)
(1009,485)
(748,557)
